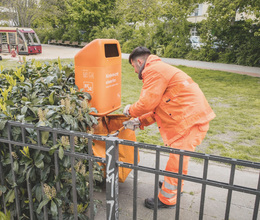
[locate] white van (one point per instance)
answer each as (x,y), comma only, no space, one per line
(195,42)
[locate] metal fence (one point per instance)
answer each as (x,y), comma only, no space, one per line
(112,165)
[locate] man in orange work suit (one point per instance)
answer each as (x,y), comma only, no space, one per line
(172,99)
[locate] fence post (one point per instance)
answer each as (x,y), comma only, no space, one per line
(112,178)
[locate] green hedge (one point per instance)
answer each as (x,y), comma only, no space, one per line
(44,94)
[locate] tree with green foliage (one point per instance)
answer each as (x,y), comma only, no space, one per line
(90,16)
(52,22)
(234,28)
(139,18)
(21,12)
(162,26)
(176,27)
(152,24)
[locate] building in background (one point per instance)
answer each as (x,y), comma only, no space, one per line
(199,15)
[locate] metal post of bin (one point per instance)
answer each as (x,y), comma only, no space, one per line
(112,178)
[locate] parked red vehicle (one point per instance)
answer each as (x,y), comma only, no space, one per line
(24,40)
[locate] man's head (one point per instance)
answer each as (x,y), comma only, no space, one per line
(138,57)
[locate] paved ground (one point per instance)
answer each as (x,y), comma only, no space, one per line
(251,71)
(53,52)
(246,70)
(215,201)
(49,52)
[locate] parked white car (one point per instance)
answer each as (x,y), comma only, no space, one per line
(195,42)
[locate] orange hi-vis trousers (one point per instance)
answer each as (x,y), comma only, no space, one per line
(192,138)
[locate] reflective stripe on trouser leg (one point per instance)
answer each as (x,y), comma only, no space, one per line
(193,137)
(168,190)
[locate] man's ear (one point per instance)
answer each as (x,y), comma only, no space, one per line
(140,62)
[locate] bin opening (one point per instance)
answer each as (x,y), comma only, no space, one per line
(111,50)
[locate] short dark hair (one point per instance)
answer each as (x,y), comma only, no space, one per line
(138,51)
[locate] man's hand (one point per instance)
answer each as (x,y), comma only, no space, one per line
(126,110)
(132,124)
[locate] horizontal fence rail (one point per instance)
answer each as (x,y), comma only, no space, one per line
(112,165)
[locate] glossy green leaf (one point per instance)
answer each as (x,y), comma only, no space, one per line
(45,172)
(53,149)
(38,157)
(2,124)
(58,201)
(10,196)
(39,164)
(24,110)
(51,98)
(54,209)
(43,203)
(9,102)
(38,193)
(2,188)
(16,166)
(44,137)
(68,119)
(61,152)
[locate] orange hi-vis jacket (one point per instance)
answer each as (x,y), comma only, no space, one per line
(171,98)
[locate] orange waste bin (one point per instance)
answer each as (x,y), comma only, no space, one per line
(109,125)
(98,72)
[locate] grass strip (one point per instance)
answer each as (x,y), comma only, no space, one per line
(235,99)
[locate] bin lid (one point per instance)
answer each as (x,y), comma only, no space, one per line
(99,53)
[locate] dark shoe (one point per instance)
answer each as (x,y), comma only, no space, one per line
(160,183)
(149,203)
